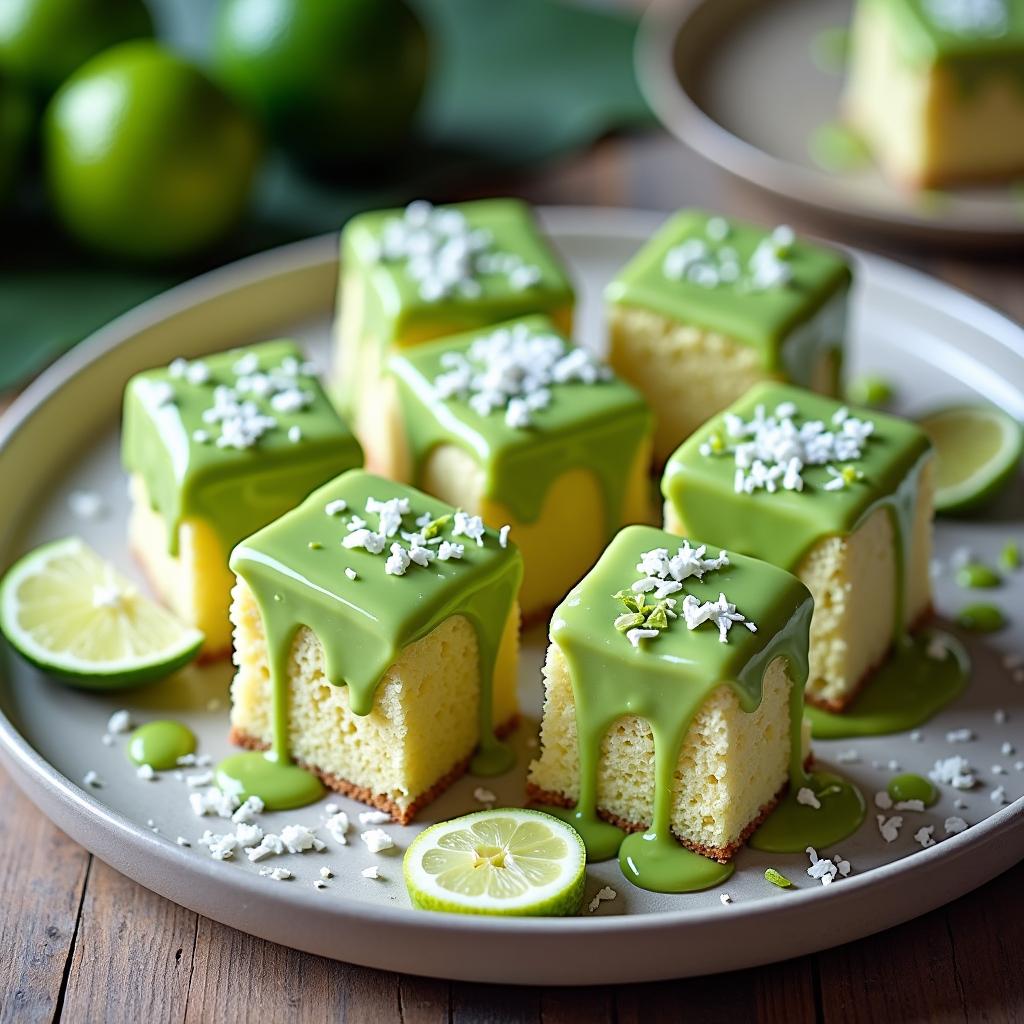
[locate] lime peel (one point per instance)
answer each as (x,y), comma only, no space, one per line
(978,448)
(777,878)
(508,861)
(74,616)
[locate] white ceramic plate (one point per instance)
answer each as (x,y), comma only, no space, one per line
(62,435)
(735,80)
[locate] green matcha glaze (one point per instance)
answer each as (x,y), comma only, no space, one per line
(281,786)
(598,427)
(235,491)
(392,306)
(364,624)
(666,681)
(160,744)
(655,861)
(912,787)
(904,693)
(781,527)
(794,826)
(762,319)
(972,57)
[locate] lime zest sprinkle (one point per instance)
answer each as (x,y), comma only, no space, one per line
(981,618)
(777,878)
(976,575)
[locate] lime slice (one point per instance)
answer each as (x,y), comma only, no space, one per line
(511,861)
(978,448)
(71,614)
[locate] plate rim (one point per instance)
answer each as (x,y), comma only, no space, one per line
(676,109)
(109,834)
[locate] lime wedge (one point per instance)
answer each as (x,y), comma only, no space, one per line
(73,615)
(978,448)
(511,862)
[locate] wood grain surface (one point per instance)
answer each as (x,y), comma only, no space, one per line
(79,942)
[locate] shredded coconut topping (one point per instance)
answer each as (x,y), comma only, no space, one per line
(445,256)
(514,369)
(243,410)
(662,575)
(711,263)
(953,771)
(770,452)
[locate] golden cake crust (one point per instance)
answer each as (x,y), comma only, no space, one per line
(361,793)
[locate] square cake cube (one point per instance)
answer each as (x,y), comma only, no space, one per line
(841,498)
(703,679)
(517,425)
(412,275)
(709,306)
(217,448)
(376,638)
(936,88)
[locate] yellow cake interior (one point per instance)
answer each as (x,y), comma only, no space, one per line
(732,766)
(196,583)
(924,127)
(422,729)
(689,374)
(853,582)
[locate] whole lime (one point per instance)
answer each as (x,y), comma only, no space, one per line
(17,116)
(43,41)
(333,80)
(145,156)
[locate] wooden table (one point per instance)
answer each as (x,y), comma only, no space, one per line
(79,942)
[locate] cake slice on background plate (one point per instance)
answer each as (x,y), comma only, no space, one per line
(935,88)
(517,425)
(217,448)
(673,691)
(423,272)
(376,642)
(841,498)
(710,305)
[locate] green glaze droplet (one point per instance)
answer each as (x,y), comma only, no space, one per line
(912,787)
(906,691)
(981,618)
(280,785)
(794,826)
(835,148)
(655,861)
(977,575)
(1009,557)
(871,390)
(601,839)
(160,744)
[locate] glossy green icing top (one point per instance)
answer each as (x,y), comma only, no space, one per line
(168,441)
(762,317)
(597,426)
(394,302)
(782,526)
(994,37)
(296,569)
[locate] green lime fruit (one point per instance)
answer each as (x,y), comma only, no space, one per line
(145,156)
(978,448)
(507,862)
(44,41)
(17,117)
(74,616)
(334,81)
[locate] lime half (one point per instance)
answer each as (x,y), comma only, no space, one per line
(978,448)
(70,613)
(509,861)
